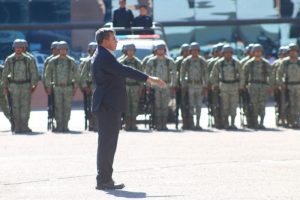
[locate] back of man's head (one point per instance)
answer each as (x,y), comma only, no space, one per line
(103,33)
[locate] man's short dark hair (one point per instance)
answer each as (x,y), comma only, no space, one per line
(103,33)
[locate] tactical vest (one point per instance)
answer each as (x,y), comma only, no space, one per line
(286,72)
(189,64)
(69,82)
(131,82)
(265,74)
(235,80)
(27,71)
(167,64)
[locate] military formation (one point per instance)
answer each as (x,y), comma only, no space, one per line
(222,82)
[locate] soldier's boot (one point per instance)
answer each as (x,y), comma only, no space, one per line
(66,127)
(224,122)
(133,124)
(261,124)
(198,127)
(164,124)
(158,123)
(25,127)
(232,124)
(59,127)
(127,123)
(191,123)
(254,122)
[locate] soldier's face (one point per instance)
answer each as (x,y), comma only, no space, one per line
(257,54)
(227,55)
(293,54)
(160,52)
(63,52)
(185,53)
(55,51)
(18,51)
(130,53)
(195,52)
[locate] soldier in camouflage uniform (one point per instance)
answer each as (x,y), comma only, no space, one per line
(25,51)
(255,78)
(61,75)
(92,46)
(123,53)
(194,78)
(133,88)
(3,103)
(87,85)
(225,77)
(163,67)
(55,52)
(183,103)
(248,55)
(146,58)
(213,95)
(289,80)
(278,95)
(20,79)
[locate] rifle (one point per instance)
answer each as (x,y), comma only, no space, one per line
(10,105)
(151,101)
(51,111)
(218,120)
(247,107)
(242,110)
(277,98)
(287,105)
(87,109)
(209,107)
(178,104)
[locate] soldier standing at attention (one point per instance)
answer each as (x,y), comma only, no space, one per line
(163,67)
(248,54)
(289,80)
(92,46)
(133,88)
(146,58)
(87,85)
(183,103)
(63,70)
(225,77)
(20,79)
(255,78)
(194,79)
(3,102)
(55,52)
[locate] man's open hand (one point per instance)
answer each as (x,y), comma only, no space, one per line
(156,81)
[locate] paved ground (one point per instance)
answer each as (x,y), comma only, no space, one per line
(208,165)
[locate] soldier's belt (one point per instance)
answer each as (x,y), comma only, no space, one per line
(63,84)
(293,83)
(19,82)
(194,82)
(228,82)
(132,84)
(258,82)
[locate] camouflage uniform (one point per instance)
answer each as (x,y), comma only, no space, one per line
(289,76)
(134,89)
(194,77)
(62,75)
(20,77)
(163,68)
(183,103)
(225,76)
(86,81)
(3,102)
(255,77)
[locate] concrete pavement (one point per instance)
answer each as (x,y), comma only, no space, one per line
(208,165)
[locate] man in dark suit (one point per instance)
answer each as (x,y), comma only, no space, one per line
(143,20)
(109,101)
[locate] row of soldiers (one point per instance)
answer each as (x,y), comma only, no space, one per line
(224,81)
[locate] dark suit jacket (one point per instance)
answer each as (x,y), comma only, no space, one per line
(110,77)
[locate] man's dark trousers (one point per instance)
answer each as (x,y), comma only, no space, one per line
(108,120)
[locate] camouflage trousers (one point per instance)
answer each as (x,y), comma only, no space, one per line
(230,101)
(162,98)
(294,111)
(258,97)
(195,103)
(21,105)
(3,104)
(63,101)
(132,106)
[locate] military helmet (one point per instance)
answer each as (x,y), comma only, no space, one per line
(283,50)
(257,47)
(18,43)
(54,45)
(219,46)
(248,48)
(184,47)
(63,45)
(160,46)
(227,48)
(293,47)
(24,43)
(92,46)
(194,46)
(130,47)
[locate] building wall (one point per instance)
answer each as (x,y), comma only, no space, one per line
(85,11)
